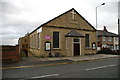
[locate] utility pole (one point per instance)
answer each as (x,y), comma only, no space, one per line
(97,25)
(119,34)
(119,25)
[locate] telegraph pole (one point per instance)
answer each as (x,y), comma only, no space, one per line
(119,25)
(97,25)
(119,34)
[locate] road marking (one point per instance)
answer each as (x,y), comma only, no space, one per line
(48,64)
(35,65)
(112,65)
(45,76)
(101,67)
(96,68)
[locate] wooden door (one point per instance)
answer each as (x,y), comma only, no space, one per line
(76,49)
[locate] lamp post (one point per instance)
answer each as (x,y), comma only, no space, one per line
(119,34)
(96,24)
(119,25)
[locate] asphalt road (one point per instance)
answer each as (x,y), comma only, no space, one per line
(105,68)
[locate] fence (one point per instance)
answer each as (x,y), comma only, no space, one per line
(10,53)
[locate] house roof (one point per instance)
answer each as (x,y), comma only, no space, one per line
(74,33)
(106,33)
(61,15)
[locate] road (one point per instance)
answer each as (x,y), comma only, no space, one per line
(104,68)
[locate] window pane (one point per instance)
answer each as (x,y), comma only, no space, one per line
(76,40)
(38,40)
(87,40)
(109,39)
(104,38)
(55,39)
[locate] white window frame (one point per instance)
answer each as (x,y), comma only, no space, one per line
(38,36)
(89,42)
(59,40)
(103,38)
(66,43)
(109,38)
(116,39)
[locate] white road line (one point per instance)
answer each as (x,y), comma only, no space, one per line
(45,76)
(112,65)
(96,68)
(101,67)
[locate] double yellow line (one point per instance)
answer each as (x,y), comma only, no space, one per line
(49,64)
(34,65)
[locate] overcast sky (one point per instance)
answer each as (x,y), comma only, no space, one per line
(22,16)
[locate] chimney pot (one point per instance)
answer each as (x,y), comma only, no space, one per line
(105,29)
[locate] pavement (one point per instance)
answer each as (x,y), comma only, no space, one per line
(27,61)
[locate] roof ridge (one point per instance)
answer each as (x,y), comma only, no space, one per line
(59,16)
(51,20)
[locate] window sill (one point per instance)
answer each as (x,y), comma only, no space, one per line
(56,48)
(87,48)
(93,49)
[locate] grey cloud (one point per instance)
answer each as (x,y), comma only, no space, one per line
(8,8)
(11,36)
(14,28)
(119,15)
(20,26)
(110,7)
(9,41)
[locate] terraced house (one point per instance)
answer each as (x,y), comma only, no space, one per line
(68,34)
(107,39)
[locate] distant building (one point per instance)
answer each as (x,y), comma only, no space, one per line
(69,34)
(107,39)
(116,43)
(24,45)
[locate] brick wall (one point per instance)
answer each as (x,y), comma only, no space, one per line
(10,53)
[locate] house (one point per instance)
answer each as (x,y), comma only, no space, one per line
(68,34)
(107,39)
(116,43)
(24,45)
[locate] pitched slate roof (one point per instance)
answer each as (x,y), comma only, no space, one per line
(105,33)
(74,33)
(61,15)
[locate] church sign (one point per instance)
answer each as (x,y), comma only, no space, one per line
(47,37)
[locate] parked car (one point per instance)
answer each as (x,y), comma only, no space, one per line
(107,51)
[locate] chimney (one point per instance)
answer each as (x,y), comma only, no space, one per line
(105,29)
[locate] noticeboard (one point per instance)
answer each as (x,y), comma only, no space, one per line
(47,46)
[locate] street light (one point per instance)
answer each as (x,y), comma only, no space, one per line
(96,12)
(119,34)
(96,24)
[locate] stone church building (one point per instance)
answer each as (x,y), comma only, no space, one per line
(68,34)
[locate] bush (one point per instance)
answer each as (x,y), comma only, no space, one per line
(105,51)
(54,54)
(57,54)
(50,54)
